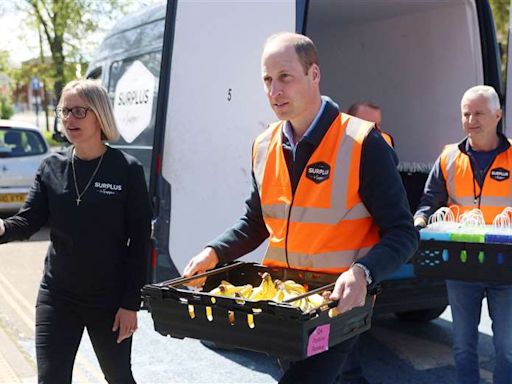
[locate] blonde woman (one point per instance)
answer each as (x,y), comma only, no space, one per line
(95,201)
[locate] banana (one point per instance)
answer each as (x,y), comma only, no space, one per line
(279,296)
(316,300)
(246,291)
(227,289)
(292,286)
(275,290)
(270,289)
(216,291)
(304,305)
(232,290)
(265,291)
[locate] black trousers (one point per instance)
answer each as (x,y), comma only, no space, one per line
(323,368)
(352,369)
(59,328)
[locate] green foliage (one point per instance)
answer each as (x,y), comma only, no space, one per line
(500,13)
(500,10)
(4,62)
(65,25)
(6,109)
(48,135)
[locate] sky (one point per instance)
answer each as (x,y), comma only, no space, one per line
(23,44)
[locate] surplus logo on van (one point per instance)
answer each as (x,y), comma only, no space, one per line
(108,188)
(500,174)
(318,172)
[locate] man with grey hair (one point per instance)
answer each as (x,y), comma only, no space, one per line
(475,173)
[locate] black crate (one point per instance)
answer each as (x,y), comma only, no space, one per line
(279,329)
(464,261)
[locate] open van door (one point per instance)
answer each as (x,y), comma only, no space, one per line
(211,107)
(507,119)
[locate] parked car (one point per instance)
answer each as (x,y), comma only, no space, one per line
(22,147)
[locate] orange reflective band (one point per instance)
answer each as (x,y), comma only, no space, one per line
(464,191)
(327,219)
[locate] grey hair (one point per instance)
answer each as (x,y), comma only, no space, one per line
(96,97)
(486,91)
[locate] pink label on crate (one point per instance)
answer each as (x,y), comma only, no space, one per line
(319,340)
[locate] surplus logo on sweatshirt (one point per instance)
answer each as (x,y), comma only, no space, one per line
(500,174)
(108,188)
(318,172)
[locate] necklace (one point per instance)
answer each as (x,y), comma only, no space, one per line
(78,193)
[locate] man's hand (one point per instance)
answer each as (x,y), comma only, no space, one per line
(207,259)
(126,322)
(350,290)
(2,227)
(420,222)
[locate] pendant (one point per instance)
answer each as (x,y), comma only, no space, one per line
(78,200)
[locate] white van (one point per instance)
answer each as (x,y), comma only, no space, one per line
(185,82)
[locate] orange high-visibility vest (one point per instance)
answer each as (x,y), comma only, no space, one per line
(463,189)
(324,226)
(388,138)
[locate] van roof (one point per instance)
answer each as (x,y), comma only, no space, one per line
(145,16)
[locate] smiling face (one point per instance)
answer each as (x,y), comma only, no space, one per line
(79,131)
(480,122)
(293,94)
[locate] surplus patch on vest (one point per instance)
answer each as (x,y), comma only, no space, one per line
(318,172)
(500,174)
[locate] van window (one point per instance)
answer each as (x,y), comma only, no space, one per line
(141,147)
(95,74)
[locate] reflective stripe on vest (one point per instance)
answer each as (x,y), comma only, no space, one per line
(324,226)
(328,261)
(463,190)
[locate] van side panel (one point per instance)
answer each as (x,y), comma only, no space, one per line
(216,108)
(415,60)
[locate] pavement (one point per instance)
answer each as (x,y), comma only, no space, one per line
(15,366)
(38,120)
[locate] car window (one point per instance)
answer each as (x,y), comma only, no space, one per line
(16,142)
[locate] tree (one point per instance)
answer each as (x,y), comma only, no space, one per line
(4,62)
(6,109)
(65,25)
(500,10)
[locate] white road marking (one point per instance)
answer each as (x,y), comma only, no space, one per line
(16,301)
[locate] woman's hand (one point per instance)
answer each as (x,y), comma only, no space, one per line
(126,322)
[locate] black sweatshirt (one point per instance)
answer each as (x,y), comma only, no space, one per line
(98,251)
(380,188)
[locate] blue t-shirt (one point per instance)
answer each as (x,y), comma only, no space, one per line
(483,161)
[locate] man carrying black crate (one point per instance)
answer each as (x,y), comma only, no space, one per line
(475,173)
(326,193)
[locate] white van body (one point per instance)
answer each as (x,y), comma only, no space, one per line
(414,58)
